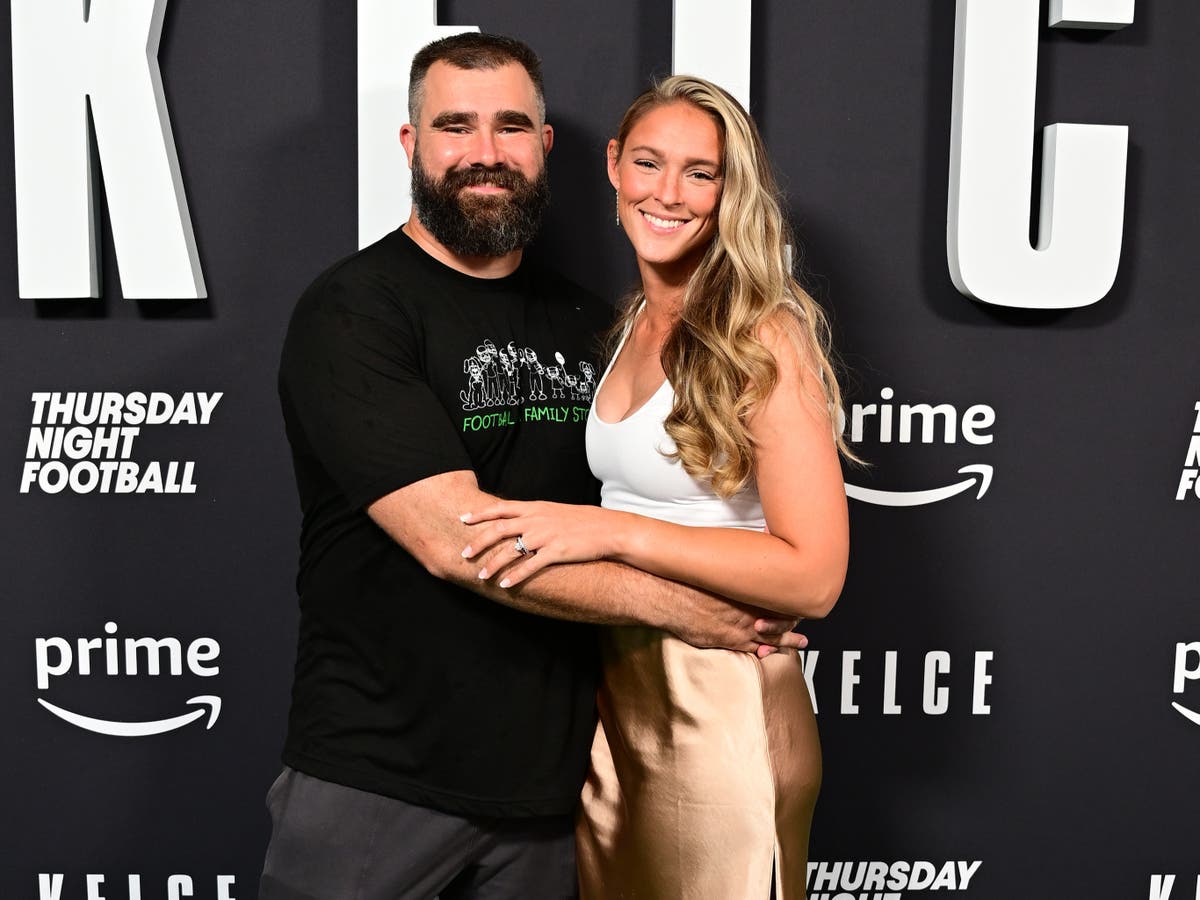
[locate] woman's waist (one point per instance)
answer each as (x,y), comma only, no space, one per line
(649,674)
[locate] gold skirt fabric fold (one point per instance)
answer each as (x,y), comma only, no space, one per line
(704,774)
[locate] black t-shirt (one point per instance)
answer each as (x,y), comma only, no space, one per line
(397,368)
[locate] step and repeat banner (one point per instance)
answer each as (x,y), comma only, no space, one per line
(995,199)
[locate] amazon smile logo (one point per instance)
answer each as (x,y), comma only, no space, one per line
(55,657)
(886,422)
(1187,668)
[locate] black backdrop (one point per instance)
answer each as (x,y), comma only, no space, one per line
(1069,583)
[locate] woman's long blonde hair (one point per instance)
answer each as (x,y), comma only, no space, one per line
(714,356)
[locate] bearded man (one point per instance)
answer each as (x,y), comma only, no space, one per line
(440,725)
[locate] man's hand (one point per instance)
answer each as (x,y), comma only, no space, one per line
(705,620)
(424,519)
(782,634)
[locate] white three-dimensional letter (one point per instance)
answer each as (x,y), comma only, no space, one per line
(711,38)
(60,62)
(390,32)
(991,156)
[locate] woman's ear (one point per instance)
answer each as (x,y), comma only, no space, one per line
(613,154)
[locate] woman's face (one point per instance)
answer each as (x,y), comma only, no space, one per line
(668,179)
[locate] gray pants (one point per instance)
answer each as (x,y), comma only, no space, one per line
(331,842)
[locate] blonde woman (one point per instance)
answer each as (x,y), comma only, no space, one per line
(713,436)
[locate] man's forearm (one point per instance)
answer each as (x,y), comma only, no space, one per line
(608,593)
(423,518)
(603,593)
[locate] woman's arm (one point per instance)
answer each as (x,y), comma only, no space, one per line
(796,568)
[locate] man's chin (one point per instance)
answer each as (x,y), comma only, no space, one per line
(485,206)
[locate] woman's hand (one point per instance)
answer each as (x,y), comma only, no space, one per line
(550,533)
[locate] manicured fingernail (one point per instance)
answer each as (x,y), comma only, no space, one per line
(483,573)
(505,583)
(465,517)
(466,551)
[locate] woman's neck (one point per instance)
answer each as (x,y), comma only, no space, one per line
(660,312)
(664,288)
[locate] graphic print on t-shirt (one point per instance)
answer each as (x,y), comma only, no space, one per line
(511,376)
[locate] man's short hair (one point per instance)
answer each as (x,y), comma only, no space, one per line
(473,50)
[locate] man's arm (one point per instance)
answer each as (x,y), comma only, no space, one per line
(423,518)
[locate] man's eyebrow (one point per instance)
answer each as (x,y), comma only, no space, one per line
(512,117)
(446,119)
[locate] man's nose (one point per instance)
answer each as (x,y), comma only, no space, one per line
(485,151)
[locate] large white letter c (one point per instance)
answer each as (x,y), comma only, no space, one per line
(991,149)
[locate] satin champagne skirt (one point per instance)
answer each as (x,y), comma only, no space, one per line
(704,774)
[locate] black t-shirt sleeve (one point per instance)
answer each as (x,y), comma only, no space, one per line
(352,379)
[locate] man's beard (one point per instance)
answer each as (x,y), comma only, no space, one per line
(471,224)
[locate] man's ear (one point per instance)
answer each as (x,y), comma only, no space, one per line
(408,140)
(547,138)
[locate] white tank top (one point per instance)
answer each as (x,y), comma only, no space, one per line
(627,457)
